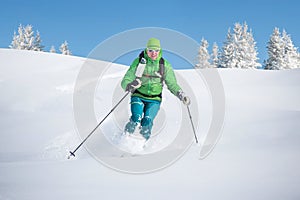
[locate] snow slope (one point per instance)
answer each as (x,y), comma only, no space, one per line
(257,156)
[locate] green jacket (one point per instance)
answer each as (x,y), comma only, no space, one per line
(151,85)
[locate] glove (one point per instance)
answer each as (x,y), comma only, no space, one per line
(185,99)
(133,85)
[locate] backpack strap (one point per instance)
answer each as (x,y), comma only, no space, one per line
(161,66)
(162,69)
(141,56)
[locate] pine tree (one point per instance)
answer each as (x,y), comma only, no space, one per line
(275,51)
(64,48)
(203,55)
(18,39)
(38,42)
(15,44)
(250,50)
(227,54)
(52,49)
(281,51)
(25,39)
(215,55)
(298,60)
(290,52)
(239,50)
(29,38)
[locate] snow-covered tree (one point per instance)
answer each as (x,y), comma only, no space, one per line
(298,62)
(290,52)
(64,48)
(18,39)
(52,49)
(38,42)
(239,50)
(215,55)
(25,39)
(227,55)
(281,51)
(15,42)
(29,38)
(250,51)
(275,51)
(203,55)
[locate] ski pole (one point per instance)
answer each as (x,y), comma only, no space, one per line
(188,108)
(72,153)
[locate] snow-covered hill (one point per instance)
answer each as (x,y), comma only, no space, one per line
(257,156)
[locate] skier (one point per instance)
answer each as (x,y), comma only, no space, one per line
(147,90)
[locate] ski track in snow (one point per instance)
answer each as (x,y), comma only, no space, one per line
(59,147)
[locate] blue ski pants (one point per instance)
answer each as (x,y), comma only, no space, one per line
(144,111)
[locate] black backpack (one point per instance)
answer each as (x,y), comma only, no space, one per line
(161,67)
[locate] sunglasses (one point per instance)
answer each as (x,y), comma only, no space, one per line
(153,50)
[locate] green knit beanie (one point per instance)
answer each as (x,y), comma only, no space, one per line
(153,43)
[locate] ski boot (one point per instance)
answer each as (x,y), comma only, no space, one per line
(145,132)
(130,126)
